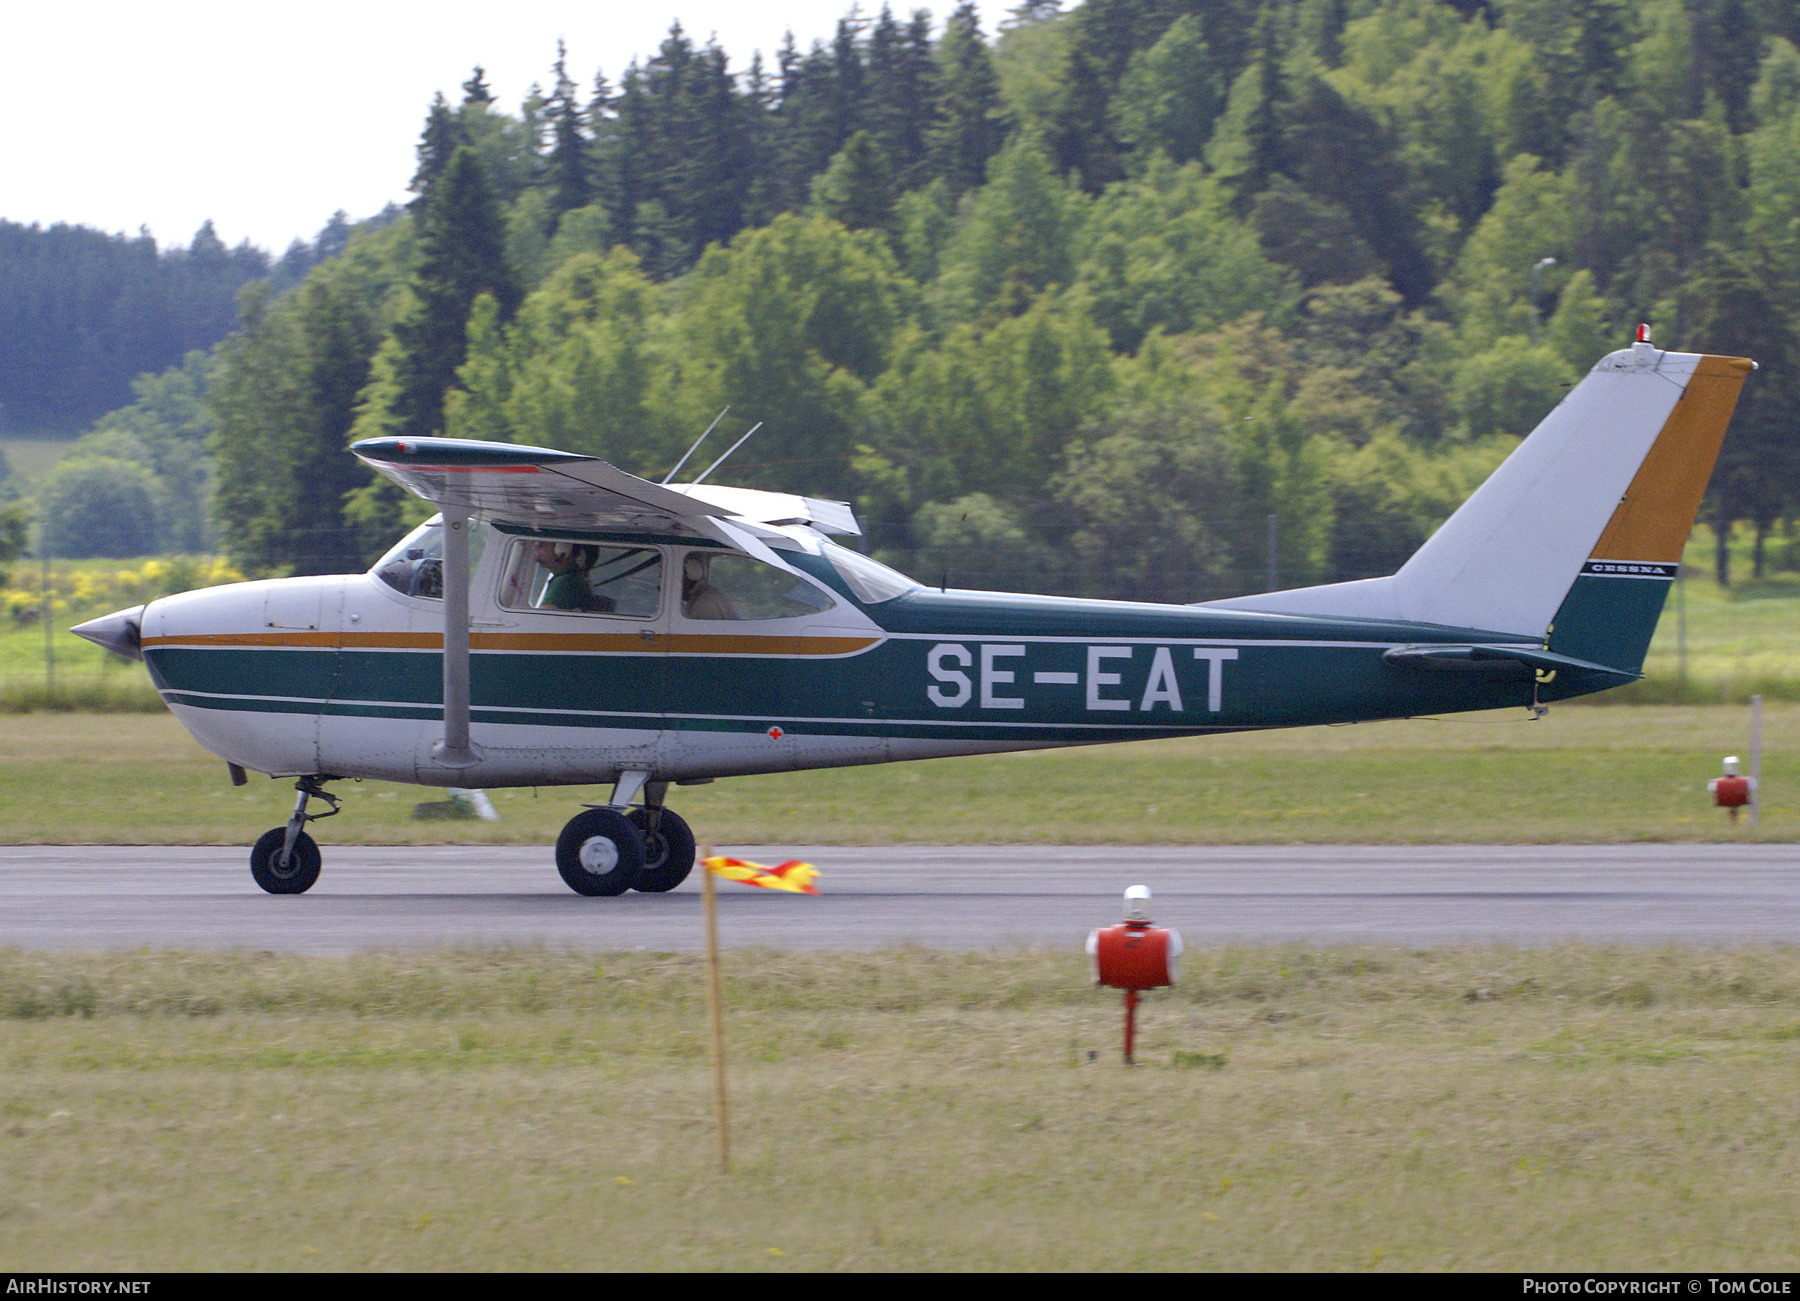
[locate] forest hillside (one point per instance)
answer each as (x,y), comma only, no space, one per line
(1147,299)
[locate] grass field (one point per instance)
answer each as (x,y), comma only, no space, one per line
(1582,773)
(1345,1109)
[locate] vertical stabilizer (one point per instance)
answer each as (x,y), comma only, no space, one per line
(1610,612)
(1618,466)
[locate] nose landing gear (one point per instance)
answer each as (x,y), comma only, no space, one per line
(285,860)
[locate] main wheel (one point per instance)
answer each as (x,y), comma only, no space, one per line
(297,875)
(600,852)
(668,852)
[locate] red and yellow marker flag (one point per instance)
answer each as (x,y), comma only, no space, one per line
(792,875)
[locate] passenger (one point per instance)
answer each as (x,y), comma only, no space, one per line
(699,598)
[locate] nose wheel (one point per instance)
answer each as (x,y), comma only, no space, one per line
(293,875)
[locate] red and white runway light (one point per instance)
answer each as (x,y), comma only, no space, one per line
(1134,956)
(1730,790)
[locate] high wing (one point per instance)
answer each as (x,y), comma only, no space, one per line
(531,486)
(539,488)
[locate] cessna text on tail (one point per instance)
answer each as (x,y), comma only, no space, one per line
(565,623)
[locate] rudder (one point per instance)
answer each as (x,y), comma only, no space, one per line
(1611,610)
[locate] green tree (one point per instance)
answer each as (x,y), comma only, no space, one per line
(787,326)
(1151,494)
(285,402)
(583,369)
(1509,388)
(172,421)
(98,506)
(15,529)
(989,410)
(566,165)
(1014,238)
(1163,251)
(857,190)
(1169,97)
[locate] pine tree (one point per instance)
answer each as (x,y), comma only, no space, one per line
(970,129)
(442,137)
(625,181)
(462,254)
(857,190)
(475,89)
(566,166)
(806,134)
(715,158)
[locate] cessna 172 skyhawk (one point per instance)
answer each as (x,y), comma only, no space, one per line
(563,622)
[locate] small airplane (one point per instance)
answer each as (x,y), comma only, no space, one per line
(562,622)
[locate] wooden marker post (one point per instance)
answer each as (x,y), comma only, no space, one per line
(715,1004)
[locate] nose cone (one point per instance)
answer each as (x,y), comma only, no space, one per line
(119,632)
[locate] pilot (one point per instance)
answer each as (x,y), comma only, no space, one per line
(568,588)
(699,598)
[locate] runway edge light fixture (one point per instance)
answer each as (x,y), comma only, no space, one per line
(1134,956)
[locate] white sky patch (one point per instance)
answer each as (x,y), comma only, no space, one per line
(268,118)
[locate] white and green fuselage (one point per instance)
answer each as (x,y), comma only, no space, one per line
(1546,584)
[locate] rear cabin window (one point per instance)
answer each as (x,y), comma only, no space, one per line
(719,586)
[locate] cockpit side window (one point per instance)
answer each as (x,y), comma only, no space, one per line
(717,585)
(578,577)
(415,566)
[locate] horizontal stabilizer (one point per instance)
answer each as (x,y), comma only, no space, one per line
(1492,661)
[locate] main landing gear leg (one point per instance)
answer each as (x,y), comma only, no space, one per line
(286,860)
(668,842)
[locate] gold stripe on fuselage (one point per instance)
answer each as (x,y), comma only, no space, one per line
(635,642)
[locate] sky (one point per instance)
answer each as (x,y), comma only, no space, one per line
(268,118)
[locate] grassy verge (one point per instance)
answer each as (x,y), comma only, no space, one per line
(1466,1108)
(1581,774)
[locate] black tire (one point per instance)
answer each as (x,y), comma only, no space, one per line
(297,876)
(668,855)
(600,853)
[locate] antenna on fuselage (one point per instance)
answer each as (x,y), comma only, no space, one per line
(696,447)
(728,451)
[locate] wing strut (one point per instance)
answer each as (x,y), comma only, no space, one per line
(455,751)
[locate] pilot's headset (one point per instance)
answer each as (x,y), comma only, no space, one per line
(694,569)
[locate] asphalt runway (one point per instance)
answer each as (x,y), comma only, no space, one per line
(100,897)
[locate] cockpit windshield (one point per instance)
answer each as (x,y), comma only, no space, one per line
(872,581)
